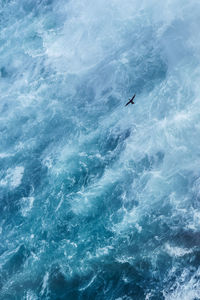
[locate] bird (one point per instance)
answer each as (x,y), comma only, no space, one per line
(131,101)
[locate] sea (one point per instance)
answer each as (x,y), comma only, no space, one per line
(98,200)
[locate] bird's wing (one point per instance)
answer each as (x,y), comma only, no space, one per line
(133,97)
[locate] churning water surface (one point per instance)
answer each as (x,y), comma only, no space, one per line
(98,200)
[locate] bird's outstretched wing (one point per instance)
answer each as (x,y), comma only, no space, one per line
(128,103)
(133,97)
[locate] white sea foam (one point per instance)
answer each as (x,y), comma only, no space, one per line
(45,283)
(26,205)
(103,251)
(3,155)
(186,287)
(30,295)
(88,284)
(176,251)
(13,177)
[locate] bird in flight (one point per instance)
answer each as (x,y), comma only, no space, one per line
(131,101)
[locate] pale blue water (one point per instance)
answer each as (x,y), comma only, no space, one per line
(99,200)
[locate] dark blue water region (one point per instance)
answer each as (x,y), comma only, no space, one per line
(99,200)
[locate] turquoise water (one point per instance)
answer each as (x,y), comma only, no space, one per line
(99,200)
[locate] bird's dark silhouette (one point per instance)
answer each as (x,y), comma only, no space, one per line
(131,101)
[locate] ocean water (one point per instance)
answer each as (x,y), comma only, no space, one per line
(98,200)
